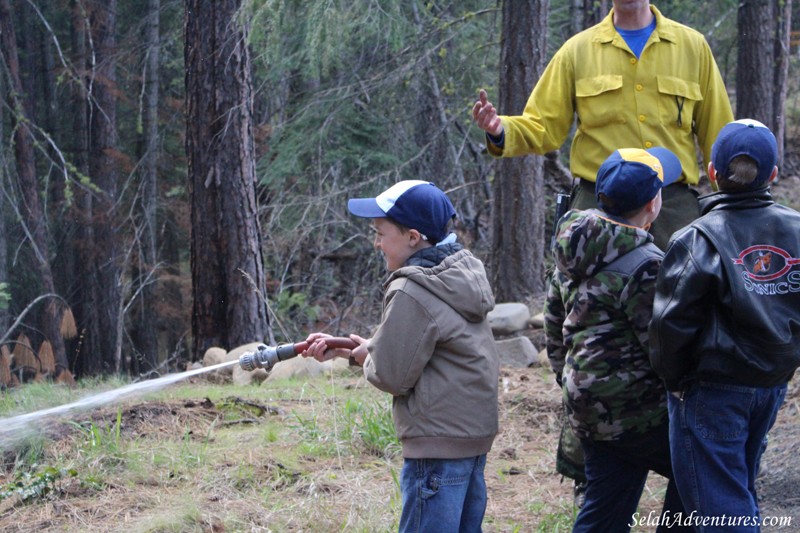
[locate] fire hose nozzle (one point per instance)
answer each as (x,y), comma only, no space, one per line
(268,356)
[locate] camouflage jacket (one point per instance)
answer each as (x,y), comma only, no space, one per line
(596,320)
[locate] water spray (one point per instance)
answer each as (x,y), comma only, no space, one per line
(268,356)
(16,428)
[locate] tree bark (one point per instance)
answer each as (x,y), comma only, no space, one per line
(79,258)
(145,326)
(782,57)
(4,315)
(755,93)
(105,331)
(517,264)
(33,216)
(227,268)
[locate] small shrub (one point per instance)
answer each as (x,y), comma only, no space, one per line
(30,486)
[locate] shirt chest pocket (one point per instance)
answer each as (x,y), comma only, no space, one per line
(598,101)
(677,99)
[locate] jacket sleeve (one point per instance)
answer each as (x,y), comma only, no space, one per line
(681,306)
(554,316)
(402,345)
(546,121)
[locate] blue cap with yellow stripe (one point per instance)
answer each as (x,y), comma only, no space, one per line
(631,177)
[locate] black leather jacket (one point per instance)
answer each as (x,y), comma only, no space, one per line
(727,305)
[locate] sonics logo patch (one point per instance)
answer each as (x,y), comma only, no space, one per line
(764,263)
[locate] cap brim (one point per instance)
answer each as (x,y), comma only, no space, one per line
(365,207)
(670,164)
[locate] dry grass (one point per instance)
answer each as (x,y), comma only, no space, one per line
(202,457)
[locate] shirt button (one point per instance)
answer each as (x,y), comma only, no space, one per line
(633,61)
(648,144)
(639,87)
(642,118)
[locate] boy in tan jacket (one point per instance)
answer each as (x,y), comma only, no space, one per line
(434,352)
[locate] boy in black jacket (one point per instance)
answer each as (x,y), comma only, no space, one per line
(725,333)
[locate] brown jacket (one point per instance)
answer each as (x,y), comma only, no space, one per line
(435,353)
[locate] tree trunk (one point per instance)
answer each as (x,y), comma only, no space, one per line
(781,84)
(79,220)
(755,71)
(145,327)
(34,218)
(4,316)
(227,268)
(517,264)
(586,13)
(105,332)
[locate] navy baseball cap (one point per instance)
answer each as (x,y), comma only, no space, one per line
(631,177)
(746,137)
(416,204)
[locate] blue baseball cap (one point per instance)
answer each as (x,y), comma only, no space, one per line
(746,137)
(631,177)
(416,204)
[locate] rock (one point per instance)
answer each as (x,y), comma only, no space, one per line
(517,352)
(237,352)
(508,318)
(297,367)
(537,321)
(339,366)
(243,377)
(215,355)
(542,357)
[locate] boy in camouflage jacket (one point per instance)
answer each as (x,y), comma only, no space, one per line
(597,313)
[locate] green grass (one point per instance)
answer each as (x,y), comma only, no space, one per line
(317,455)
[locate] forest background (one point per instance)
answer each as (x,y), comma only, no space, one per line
(174,175)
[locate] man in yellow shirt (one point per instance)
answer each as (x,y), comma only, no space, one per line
(637,79)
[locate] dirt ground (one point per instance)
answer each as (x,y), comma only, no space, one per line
(522,484)
(524,489)
(530,424)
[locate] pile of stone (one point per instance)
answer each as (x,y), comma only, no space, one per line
(513,328)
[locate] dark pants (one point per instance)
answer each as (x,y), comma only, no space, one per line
(678,208)
(717,435)
(616,472)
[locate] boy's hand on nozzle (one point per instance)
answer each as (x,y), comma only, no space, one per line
(485,115)
(360,352)
(319,350)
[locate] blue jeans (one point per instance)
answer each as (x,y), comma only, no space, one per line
(717,434)
(616,472)
(443,495)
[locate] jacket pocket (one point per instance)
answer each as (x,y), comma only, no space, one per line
(598,100)
(677,100)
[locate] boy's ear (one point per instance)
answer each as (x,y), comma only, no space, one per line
(414,237)
(712,173)
(773,175)
(650,206)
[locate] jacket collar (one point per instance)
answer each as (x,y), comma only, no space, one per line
(607,33)
(735,200)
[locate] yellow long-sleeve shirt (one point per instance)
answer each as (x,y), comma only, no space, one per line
(671,94)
